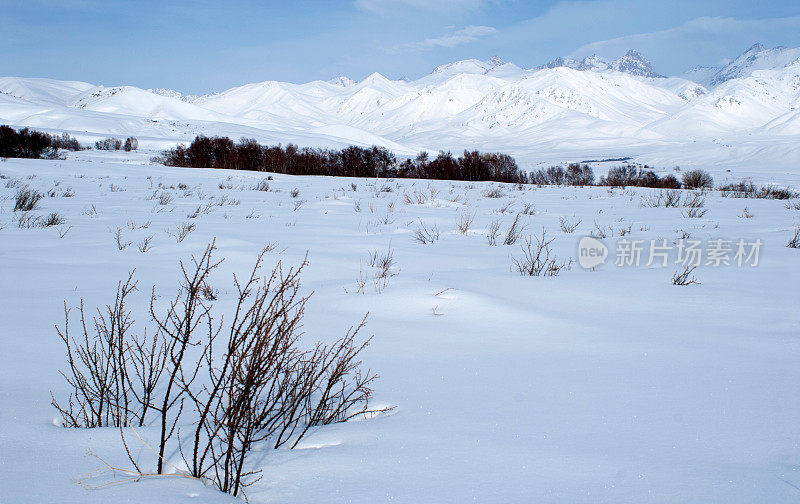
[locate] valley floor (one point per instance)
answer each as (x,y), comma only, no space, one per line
(603,386)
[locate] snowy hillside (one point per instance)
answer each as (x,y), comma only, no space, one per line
(757,57)
(568,110)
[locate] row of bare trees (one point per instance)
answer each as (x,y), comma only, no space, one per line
(352,161)
(214,390)
(28,143)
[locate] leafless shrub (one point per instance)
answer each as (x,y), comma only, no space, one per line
(112,374)
(183,230)
(383,261)
(144,245)
(599,231)
(505,208)
(121,243)
(265,388)
(261,387)
(537,258)
(695,212)
(91,211)
(492,232)
(514,232)
(424,234)
(298,204)
(528,209)
(26,200)
(670,198)
(262,185)
(294,192)
(493,193)
(464,221)
(417,197)
(694,200)
(28,221)
(747,189)
(165,198)
(746,214)
(697,179)
(794,242)
(685,277)
(567,226)
(53,219)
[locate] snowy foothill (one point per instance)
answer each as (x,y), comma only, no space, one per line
(609,384)
(741,117)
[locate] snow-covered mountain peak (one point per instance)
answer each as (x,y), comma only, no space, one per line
(171,93)
(473,66)
(495,61)
(756,57)
(633,63)
(342,80)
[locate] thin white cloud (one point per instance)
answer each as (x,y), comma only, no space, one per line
(690,32)
(456,38)
(387,6)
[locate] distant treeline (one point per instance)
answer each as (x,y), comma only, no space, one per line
(247,154)
(378,162)
(28,143)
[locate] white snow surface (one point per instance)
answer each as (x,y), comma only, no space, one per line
(743,116)
(605,386)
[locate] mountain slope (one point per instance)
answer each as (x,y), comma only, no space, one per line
(587,109)
(756,57)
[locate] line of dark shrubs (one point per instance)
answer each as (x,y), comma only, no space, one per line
(747,189)
(353,161)
(637,176)
(573,175)
(28,143)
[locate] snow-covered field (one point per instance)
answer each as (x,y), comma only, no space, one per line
(612,385)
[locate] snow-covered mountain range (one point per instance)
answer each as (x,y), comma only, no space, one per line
(565,110)
(633,63)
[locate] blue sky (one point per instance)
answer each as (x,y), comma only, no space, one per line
(202,45)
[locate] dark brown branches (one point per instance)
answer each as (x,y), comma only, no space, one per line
(261,386)
(184,315)
(538,258)
(100,375)
(266,388)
